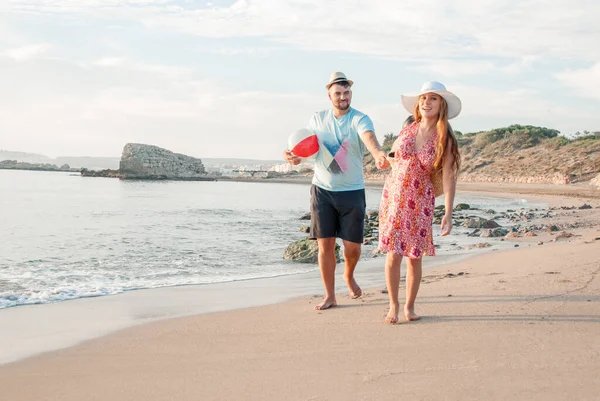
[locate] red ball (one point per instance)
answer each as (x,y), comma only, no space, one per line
(303,143)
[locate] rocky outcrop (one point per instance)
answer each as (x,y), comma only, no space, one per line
(16,165)
(553,178)
(141,161)
(480,222)
(306,251)
(108,173)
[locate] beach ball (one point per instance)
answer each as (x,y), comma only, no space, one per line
(303,143)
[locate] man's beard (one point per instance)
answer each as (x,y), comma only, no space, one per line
(337,106)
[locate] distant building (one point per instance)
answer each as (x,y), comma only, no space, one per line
(258,170)
(288,168)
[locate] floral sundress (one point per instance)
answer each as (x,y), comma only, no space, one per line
(407,202)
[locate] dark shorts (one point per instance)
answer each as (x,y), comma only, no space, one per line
(337,214)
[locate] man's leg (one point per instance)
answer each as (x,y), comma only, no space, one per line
(323,227)
(351,207)
(392,279)
(327,265)
(414,272)
(351,257)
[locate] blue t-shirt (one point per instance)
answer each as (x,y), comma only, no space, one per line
(339,162)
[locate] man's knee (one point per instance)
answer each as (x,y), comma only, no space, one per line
(351,249)
(326,245)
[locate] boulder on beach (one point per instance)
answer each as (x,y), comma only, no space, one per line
(306,251)
(494,232)
(462,206)
(305,216)
(480,222)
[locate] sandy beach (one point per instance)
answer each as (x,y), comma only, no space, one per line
(520,323)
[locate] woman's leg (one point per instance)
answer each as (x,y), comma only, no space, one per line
(413,281)
(392,279)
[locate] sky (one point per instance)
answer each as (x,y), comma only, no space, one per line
(236,78)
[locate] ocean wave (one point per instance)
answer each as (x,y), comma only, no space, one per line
(21,296)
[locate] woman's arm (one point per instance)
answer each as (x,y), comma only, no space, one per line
(449,179)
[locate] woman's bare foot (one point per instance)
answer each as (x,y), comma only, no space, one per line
(326,304)
(409,314)
(353,288)
(392,316)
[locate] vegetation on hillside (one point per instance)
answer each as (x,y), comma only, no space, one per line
(522,150)
(517,136)
(514,136)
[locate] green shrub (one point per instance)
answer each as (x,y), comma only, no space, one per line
(482,140)
(388,141)
(586,135)
(557,142)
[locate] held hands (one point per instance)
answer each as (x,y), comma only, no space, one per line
(446,224)
(291,158)
(381,161)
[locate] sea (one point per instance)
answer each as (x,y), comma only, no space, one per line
(63,236)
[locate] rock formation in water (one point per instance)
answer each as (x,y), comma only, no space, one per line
(16,165)
(150,162)
(108,173)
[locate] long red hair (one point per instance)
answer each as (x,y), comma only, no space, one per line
(445,137)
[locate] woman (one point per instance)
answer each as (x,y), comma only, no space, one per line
(408,200)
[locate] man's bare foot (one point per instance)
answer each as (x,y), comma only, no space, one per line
(409,314)
(392,316)
(353,288)
(326,304)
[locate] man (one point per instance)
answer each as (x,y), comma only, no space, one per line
(338,192)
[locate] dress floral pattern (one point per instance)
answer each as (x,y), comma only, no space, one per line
(407,202)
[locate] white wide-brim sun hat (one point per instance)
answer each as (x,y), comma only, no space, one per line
(454,104)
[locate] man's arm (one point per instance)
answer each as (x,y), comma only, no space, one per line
(372,144)
(291,158)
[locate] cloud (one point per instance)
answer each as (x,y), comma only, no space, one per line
(124,63)
(109,62)
(585,82)
(28,52)
(95,108)
(384,28)
(454,68)
(252,51)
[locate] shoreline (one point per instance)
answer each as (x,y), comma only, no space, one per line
(576,191)
(534,190)
(32,329)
